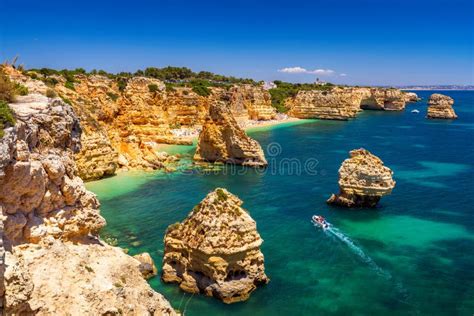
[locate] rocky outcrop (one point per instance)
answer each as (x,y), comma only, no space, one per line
(441,107)
(215,250)
(222,140)
(411,97)
(363,180)
(343,103)
(147,266)
(335,104)
(55,262)
(2,263)
(382,99)
(251,102)
(124,121)
(97,158)
(40,191)
(60,278)
(34,86)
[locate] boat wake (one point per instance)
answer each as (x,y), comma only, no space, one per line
(336,233)
(359,252)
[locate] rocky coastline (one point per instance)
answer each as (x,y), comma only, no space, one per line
(52,260)
(124,122)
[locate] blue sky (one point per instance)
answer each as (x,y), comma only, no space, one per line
(382,42)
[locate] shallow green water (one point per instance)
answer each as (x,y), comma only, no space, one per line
(413,255)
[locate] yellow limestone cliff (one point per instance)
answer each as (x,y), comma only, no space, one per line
(124,121)
(441,107)
(222,140)
(53,261)
(215,250)
(344,103)
(363,180)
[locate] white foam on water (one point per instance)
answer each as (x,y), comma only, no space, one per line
(334,232)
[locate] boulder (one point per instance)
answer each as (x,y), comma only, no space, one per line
(440,106)
(147,266)
(215,250)
(363,180)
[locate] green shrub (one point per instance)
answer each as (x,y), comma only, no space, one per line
(66,100)
(50,93)
(6,116)
(221,195)
(286,90)
(50,82)
(122,83)
(201,90)
(112,96)
(21,89)
(70,85)
(172,227)
(7,88)
(170,87)
(153,88)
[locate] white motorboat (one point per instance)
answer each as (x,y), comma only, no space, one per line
(320,221)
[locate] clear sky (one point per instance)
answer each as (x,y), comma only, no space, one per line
(382,42)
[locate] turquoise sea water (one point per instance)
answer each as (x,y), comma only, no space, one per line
(412,255)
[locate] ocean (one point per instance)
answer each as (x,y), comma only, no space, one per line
(414,254)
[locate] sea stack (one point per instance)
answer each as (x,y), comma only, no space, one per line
(440,107)
(215,250)
(411,97)
(363,180)
(222,140)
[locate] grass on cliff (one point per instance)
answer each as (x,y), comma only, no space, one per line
(6,117)
(221,195)
(176,76)
(286,90)
(9,89)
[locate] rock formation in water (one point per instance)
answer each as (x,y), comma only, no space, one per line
(215,250)
(441,107)
(411,97)
(363,180)
(382,99)
(147,266)
(222,140)
(335,104)
(125,120)
(343,103)
(54,261)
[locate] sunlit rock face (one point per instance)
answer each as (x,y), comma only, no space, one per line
(222,140)
(251,102)
(343,103)
(382,99)
(51,259)
(363,180)
(215,250)
(441,107)
(411,97)
(335,104)
(40,191)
